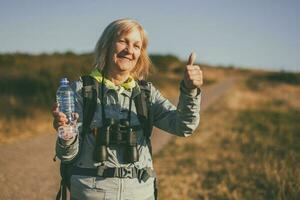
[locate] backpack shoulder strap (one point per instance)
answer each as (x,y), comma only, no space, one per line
(89,94)
(143,103)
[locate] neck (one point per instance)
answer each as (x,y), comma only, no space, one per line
(117,78)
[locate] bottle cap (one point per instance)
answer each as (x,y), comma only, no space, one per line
(64,81)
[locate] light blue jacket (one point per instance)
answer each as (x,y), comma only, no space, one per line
(181,121)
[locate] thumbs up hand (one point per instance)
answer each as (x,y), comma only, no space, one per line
(192,74)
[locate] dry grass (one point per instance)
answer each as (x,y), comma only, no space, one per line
(247,147)
(14,129)
(22,120)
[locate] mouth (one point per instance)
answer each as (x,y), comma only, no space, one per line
(124,57)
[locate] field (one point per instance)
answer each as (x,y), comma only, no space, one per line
(246,147)
(28,84)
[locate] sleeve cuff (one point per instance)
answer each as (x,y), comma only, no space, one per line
(67,142)
(191,92)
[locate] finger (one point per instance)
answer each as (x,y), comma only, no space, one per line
(194,73)
(194,76)
(54,109)
(197,80)
(55,125)
(197,83)
(62,118)
(61,123)
(58,124)
(59,115)
(192,59)
(55,114)
(55,106)
(193,67)
(75,116)
(59,120)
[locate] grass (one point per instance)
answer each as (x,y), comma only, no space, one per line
(13,129)
(28,85)
(270,144)
(257,81)
(247,147)
(32,80)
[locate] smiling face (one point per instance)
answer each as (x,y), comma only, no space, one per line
(126,51)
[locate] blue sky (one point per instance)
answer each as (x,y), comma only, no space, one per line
(249,33)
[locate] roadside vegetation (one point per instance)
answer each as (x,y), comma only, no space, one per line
(28,84)
(247,146)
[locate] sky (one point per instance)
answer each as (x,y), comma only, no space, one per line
(262,34)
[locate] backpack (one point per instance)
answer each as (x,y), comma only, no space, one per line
(90,92)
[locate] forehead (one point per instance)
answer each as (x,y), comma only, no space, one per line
(133,34)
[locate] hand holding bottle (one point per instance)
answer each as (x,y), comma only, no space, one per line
(60,119)
(64,128)
(63,112)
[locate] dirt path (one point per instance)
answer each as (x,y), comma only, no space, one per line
(209,96)
(28,172)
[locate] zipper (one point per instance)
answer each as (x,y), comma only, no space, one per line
(120,192)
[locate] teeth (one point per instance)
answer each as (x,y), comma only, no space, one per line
(124,57)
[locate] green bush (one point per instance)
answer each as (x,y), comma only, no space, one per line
(284,77)
(32,80)
(255,82)
(164,62)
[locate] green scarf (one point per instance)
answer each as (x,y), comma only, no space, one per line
(127,85)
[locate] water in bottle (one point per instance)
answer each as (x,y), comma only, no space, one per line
(65,100)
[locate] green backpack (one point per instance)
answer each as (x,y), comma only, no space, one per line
(90,93)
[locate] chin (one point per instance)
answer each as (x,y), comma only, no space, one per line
(125,67)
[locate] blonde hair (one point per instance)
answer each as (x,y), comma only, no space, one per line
(110,35)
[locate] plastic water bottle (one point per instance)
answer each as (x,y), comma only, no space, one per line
(65,100)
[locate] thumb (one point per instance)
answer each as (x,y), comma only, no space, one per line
(192,59)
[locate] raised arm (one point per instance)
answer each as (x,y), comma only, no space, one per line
(183,119)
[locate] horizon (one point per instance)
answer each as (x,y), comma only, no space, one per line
(241,67)
(261,35)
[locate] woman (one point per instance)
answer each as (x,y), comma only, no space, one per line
(122,60)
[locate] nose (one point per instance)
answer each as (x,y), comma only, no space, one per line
(129,49)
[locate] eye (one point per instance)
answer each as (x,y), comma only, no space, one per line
(137,46)
(122,41)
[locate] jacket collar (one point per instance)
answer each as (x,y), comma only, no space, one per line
(127,85)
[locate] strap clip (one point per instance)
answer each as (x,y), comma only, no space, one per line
(143,175)
(123,172)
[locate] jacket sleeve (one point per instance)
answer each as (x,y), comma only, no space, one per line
(66,150)
(181,120)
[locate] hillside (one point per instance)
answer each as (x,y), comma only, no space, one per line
(28,84)
(246,147)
